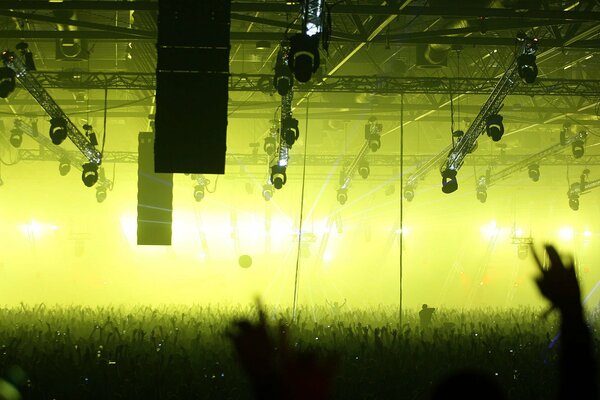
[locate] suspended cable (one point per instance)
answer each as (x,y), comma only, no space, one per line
(401,204)
(295,304)
(105,112)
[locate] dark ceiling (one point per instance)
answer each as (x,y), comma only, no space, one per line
(378,51)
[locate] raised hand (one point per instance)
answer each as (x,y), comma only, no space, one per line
(558,283)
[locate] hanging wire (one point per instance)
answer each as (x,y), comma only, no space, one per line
(296,282)
(105,112)
(401,205)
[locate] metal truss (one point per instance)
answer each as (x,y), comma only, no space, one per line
(37,91)
(54,153)
(582,187)
(532,162)
(341,84)
(468,141)
(327,160)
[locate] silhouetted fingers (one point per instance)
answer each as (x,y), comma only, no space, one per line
(555,260)
(536,257)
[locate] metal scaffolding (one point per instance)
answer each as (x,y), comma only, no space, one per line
(37,91)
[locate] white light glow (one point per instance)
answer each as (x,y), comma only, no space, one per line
(565,233)
(587,234)
(490,230)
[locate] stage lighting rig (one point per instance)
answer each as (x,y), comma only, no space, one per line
(278,175)
(342,195)
(90,134)
(580,188)
(201,186)
(62,125)
(409,193)
(284,79)
(23,48)
(488,118)
(289,130)
(267,191)
(534,172)
(7,81)
(363,169)
(16,137)
(58,130)
(100,193)
(494,128)
(64,166)
(270,143)
(578,145)
(531,163)
(482,189)
(304,59)
(527,67)
(89,174)
(373,134)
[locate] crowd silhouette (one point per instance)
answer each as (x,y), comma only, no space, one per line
(331,352)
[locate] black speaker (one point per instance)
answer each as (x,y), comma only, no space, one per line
(155,197)
(192,81)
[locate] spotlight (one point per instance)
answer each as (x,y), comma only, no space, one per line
(16,138)
(23,47)
(534,172)
(364,170)
(304,60)
(64,166)
(527,67)
(58,130)
(578,148)
(290,130)
(90,134)
(284,79)
(449,182)
(198,192)
(89,176)
(270,145)
(523,251)
(574,202)
(100,194)
(373,134)
(409,193)
(278,176)
(7,80)
(482,189)
(342,196)
(494,127)
(267,191)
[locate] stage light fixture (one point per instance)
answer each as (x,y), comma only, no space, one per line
(7,79)
(290,130)
(304,56)
(267,191)
(373,134)
(90,134)
(270,145)
(58,130)
(574,202)
(278,176)
(16,138)
(283,79)
(449,181)
(64,166)
(199,192)
(534,172)
(342,196)
(363,169)
(494,127)
(100,194)
(482,189)
(527,68)
(23,48)
(89,174)
(578,148)
(409,193)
